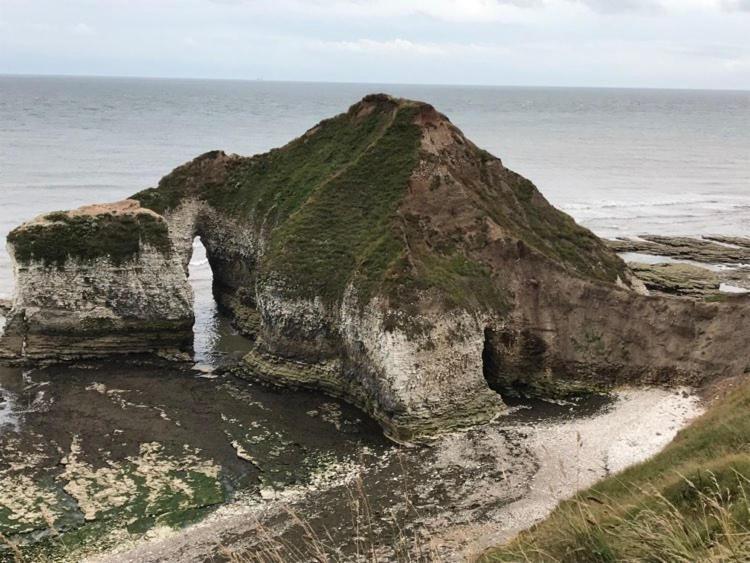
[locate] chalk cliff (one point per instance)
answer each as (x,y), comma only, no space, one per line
(96,281)
(384,258)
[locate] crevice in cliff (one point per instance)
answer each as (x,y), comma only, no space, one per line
(513,363)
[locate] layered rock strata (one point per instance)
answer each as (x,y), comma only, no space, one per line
(97,281)
(384,258)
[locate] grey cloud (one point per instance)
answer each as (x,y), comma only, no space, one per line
(522,3)
(736,5)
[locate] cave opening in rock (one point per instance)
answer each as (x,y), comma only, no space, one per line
(206,327)
(513,363)
(491,361)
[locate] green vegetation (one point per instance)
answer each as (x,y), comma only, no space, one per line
(689,503)
(558,236)
(329,196)
(87,237)
(463,282)
(170,493)
(347,223)
(327,205)
(270,186)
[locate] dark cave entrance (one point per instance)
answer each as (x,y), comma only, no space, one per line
(492,361)
(513,362)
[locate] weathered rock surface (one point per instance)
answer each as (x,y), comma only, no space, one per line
(384,258)
(712,250)
(707,267)
(96,281)
(693,280)
(677,279)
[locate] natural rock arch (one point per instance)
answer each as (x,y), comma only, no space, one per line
(368,259)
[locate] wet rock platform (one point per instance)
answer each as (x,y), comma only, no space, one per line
(97,454)
(711,267)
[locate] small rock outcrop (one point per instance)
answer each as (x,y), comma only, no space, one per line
(677,279)
(100,280)
(384,258)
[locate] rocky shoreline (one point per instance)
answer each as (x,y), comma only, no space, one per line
(450,501)
(711,268)
(382,258)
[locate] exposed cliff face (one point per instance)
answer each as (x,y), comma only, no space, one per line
(96,281)
(384,258)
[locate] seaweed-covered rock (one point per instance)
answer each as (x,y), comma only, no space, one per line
(709,249)
(96,281)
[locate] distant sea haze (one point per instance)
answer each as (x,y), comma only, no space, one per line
(622,162)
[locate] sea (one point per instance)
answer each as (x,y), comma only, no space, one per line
(622,162)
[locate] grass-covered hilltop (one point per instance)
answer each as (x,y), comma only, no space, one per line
(357,199)
(384,258)
(114,233)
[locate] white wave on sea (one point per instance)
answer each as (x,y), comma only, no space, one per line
(678,216)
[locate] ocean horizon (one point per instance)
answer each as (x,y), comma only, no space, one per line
(335,82)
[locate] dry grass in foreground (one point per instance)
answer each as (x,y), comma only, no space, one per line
(689,503)
(370,541)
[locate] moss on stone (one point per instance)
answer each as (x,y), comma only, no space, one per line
(87,237)
(178,497)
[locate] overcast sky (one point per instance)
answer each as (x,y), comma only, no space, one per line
(654,43)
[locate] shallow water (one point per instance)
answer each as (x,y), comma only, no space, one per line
(73,435)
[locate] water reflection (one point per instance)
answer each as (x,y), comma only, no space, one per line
(214,338)
(19,395)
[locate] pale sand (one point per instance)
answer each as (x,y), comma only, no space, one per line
(573,455)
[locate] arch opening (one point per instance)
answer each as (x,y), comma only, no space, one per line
(205,309)
(215,338)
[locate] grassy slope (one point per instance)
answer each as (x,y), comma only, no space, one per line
(346,226)
(688,503)
(328,199)
(559,237)
(327,204)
